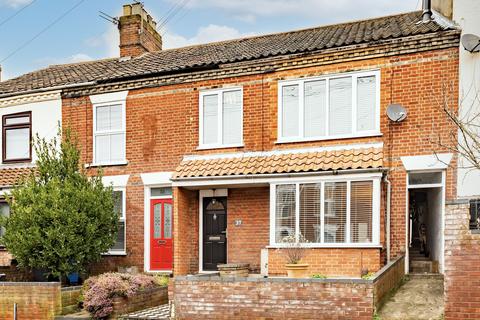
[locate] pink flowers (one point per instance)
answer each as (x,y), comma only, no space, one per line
(98,291)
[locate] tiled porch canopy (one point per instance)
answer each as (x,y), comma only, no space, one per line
(11,176)
(294,162)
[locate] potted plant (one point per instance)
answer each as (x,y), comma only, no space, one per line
(294,253)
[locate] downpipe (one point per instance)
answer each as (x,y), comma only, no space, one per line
(387,231)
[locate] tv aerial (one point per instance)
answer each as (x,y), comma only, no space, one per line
(396,112)
(471,42)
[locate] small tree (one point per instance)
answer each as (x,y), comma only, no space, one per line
(61,220)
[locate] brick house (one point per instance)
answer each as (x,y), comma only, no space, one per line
(220,151)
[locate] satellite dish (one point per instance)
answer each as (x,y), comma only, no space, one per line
(471,43)
(396,112)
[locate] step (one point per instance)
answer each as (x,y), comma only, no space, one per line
(421,266)
(427,275)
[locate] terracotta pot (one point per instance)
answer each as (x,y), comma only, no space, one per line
(298,270)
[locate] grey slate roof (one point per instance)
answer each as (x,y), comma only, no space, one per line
(211,54)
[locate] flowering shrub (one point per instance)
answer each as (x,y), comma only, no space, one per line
(99,291)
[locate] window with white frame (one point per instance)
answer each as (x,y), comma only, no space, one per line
(4,212)
(327,213)
(109,133)
(119,200)
(221,118)
(329,107)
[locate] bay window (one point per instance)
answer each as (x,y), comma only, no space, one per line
(329,212)
(17,137)
(221,118)
(339,106)
(4,212)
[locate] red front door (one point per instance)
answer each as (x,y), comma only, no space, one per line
(161,234)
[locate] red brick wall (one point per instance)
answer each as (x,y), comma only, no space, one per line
(462,265)
(141,300)
(35,300)
(162,126)
(329,262)
(272,299)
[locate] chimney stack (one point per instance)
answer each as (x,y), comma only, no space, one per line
(427,11)
(138,32)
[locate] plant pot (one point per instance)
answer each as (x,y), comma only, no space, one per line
(298,270)
(73,278)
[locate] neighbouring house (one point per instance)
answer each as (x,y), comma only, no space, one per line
(219,151)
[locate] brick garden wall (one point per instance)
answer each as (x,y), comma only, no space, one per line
(462,264)
(35,300)
(272,299)
(141,300)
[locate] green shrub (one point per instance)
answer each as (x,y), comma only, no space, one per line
(319,276)
(61,219)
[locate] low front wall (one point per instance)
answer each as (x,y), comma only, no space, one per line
(212,297)
(329,261)
(70,296)
(35,300)
(462,264)
(141,300)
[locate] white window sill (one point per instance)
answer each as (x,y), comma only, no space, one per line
(220,146)
(330,246)
(106,164)
(115,253)
(350,136)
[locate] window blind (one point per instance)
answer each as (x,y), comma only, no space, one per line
(118,207)
(315,108)
(109,134)
(361,202)
(4,212)
(366,110)
(232,117)
(310,211)
(290,116)
(17,143)
(340,111)
(285,211)
(335,212)
(210,119)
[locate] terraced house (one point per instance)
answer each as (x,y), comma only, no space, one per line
(221,150)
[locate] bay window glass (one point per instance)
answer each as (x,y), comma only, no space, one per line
(328,212)
(285,209)
(221,116)
(329,107)
(16,137)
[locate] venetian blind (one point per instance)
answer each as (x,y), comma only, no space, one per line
(335,212)
(315,108)
(285,212)
(232,117)
(366,110)
(310,210)
(210,119)
(290,111)
(361,211)
(340,109)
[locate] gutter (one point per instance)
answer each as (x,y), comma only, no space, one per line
(67,86)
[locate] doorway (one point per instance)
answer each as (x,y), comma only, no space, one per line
(214,232)
(161,234)
(425,222)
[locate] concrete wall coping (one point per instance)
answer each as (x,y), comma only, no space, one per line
(30,284)
(386,267)
(72,288)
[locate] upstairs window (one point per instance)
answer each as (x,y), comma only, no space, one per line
(109,134)
(221,118)
(17,137)
(329,107)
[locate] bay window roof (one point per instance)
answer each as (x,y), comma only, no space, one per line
(311,161)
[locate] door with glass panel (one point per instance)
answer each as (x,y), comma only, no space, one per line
(161,234)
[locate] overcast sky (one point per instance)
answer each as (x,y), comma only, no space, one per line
(83,35)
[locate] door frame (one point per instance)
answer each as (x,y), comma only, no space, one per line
(408,187)
(146,231)
(206,194)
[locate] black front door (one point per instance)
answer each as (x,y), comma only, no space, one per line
(214,232)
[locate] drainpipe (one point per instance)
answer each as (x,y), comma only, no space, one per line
(389,196)
(427,11)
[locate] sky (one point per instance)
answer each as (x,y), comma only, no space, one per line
(37,33)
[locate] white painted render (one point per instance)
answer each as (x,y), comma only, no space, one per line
(46,111)
(466,14)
